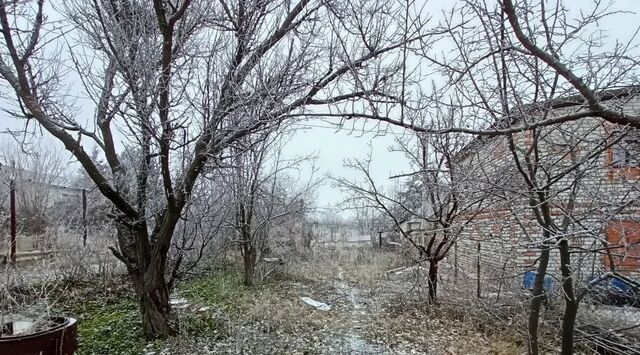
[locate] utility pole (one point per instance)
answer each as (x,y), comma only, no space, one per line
(12,202)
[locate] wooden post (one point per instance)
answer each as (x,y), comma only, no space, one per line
(455,262)
(380,239)
(84,217)
(478,273)
(12,202)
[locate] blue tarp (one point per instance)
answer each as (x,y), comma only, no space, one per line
(530,278)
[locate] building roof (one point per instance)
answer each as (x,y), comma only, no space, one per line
(55,181)
(532,108)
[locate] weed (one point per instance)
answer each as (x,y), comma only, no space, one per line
(223,289)
(202,325)
(111,329)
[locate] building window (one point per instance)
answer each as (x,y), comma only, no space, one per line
(626,152)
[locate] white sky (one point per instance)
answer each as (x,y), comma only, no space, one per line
(334,146)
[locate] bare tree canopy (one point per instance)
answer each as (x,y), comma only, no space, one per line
(497,64)
(520,126)
(179,83)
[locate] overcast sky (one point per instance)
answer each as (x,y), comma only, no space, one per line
(334,145)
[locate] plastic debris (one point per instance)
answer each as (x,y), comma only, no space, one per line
(317,305)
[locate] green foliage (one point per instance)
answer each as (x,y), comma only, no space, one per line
(202,325)
(110,323)
(223,289)
(111,329)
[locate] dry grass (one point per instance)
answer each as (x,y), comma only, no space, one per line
(367,302)
(444,335)
(284,311)
(397,310)
(364,265)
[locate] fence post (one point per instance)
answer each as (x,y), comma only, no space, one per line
(380,239)
(478,273)
(455,262)
(12,207)
(84,217)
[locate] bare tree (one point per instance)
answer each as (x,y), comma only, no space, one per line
(256,175)
(442,215)
(39,179)
(329,225)
(176,76)
(527,67)
(557,188)
(370,222)
(500,55)
(561,168)
(522,67)
(202,231)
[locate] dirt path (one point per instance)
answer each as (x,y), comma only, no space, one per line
(370,313)
(357,315)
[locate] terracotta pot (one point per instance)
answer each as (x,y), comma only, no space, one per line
(59,339)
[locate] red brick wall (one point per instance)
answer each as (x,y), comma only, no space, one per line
(624,246)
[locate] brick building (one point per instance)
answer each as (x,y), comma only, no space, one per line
(590,169)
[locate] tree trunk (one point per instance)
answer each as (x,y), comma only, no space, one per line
(157,319)
(433,281)
(568,325)
(249,258)
(150,285)
(537,299)
(571,303)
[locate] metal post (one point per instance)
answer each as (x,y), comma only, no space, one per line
(84,217)
(12,202)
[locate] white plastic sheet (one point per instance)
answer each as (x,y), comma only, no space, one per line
(317,305)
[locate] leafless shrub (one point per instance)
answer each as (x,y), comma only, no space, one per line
(72,260)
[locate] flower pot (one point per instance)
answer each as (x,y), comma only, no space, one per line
(58,336)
